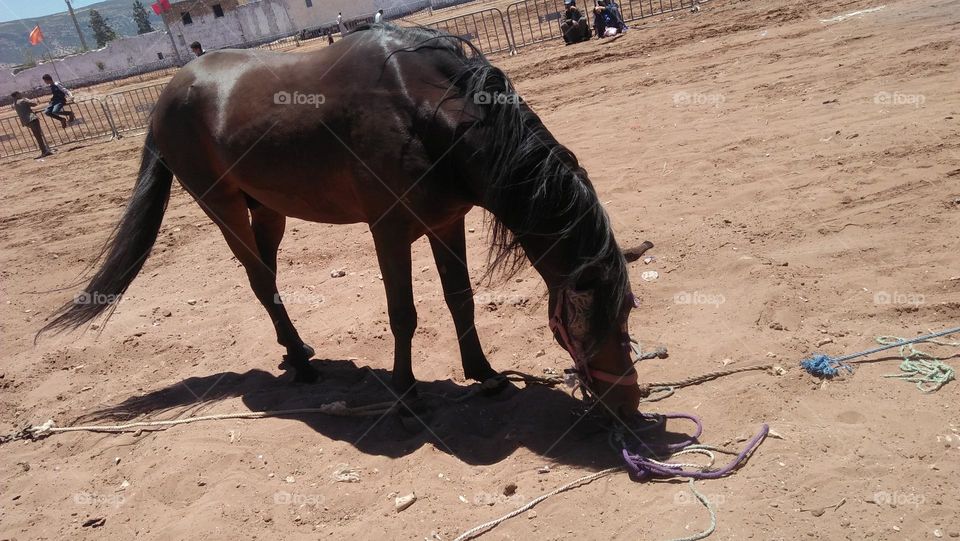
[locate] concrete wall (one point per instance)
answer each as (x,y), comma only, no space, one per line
(121,54)
(240,23)
(324,12)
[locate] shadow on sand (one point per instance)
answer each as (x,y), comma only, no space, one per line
(480,430)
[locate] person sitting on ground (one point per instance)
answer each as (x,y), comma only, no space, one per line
(604,23)
(574,26)
(58,100)
(614,10)
(24,109)
(197,49)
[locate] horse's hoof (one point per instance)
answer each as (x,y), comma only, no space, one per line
(481,374)
(299,360)
(306,352)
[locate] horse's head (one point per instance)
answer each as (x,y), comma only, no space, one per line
(598,339)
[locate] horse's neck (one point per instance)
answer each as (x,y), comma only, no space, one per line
(552,257)
(549,179)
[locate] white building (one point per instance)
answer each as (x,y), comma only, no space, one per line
(222,23)
(214,23)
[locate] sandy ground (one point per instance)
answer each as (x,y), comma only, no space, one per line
(800,181)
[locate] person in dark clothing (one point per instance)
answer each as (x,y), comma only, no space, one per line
(614,10)
(58,100)
(574,26)
(197,49)
(605,23)
(24,109)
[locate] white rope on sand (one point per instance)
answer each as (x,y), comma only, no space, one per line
(477,531)
(334,408)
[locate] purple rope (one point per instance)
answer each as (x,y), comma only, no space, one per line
(641,467)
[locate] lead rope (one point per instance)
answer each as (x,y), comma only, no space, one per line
(476,531)
(641,467)
(339,408)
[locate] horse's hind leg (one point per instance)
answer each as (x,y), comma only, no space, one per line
(254,242)
(450,252)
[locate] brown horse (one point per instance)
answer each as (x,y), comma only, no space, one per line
(403,129)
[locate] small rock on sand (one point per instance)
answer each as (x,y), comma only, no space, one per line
(403,502)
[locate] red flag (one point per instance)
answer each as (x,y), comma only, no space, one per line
(36,35)
(161,6)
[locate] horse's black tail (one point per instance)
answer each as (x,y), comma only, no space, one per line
(128,245)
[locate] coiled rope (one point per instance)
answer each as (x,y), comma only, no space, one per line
(928,372)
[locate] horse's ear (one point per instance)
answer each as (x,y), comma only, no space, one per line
(633,254)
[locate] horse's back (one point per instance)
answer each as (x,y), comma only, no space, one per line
(318,135)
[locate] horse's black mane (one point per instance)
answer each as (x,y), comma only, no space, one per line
(537,188)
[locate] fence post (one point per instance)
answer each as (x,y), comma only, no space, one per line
(106,111)
(508,33)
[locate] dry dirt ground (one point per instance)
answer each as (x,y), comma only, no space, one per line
(798,173)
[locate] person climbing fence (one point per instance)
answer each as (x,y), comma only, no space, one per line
(24,108)
(58,100)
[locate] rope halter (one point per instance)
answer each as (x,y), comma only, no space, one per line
(570,324)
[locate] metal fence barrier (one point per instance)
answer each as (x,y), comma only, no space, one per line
(486,29)
(639,9)
(109,115)
(533,21)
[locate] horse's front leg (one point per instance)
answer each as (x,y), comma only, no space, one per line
(449,247)
(393,253)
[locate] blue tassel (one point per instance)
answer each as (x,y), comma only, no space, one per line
(824,366)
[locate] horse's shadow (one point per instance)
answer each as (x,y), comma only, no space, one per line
(483,429)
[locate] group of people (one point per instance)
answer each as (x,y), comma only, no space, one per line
(607,21)
(55,109)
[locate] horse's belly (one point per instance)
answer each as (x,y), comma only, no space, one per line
(317,200)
